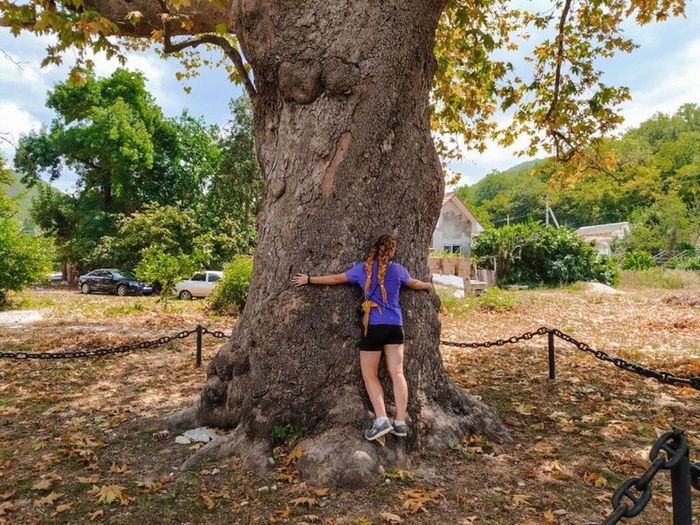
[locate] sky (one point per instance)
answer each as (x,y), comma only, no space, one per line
(662,74)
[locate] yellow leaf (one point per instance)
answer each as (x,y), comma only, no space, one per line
(321,491)
(64,507)
(525,410)
(44,484)
(97,514)
(285,513)
(390,517)
(309,502)
(90,479)
(117,469)
(107,494)
(521,499)
(549,516)
(208,502)
(294,455)
(50,499)
(400,474)
(161,434)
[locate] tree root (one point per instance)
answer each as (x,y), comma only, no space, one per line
(182,420)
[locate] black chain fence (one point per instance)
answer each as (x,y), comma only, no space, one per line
(121,349)
(628,501)
(633,495)
(660,375)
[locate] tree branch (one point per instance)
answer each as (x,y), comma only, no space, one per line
(218,40)
(557,72)
(559,58)
(224,44)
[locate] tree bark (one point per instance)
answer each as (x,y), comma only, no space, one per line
(343,137)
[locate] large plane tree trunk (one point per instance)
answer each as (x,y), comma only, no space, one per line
(343,137)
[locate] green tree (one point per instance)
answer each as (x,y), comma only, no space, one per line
(167,269)
(125,153)
(345,96)
(24,259)
(666,225)
(236,188)
(532,253)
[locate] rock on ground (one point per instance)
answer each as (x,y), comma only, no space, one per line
(600,288)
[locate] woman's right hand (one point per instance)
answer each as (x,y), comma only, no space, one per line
(300,279)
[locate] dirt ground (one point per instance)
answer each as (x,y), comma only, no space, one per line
(82,443)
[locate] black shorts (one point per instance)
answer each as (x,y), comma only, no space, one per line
(379,335)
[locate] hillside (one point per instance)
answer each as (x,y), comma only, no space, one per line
(653,166)
(22,197)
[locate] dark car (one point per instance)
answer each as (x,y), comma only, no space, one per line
(112,281)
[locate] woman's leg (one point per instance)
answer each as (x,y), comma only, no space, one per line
(394,364)
(369,363)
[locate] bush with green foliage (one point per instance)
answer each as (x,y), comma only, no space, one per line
(24,259)
(685,263)
(638,261)
(156,265)
(231,292)
(535,254)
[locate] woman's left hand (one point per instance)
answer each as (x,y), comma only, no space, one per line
(300,279)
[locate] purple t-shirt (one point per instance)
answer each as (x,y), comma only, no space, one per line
(395,276)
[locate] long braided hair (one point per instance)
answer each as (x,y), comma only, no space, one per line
(383,249)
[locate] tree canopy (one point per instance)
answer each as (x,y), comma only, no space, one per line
(649,176)
(143,179)
(562,104)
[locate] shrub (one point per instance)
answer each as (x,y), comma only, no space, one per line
(685,263)
(231,292)
(158,266)
(638,261)
(23,259)
(531,253)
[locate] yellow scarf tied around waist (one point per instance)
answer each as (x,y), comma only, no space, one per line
(367,306)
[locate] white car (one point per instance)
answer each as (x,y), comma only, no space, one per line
(200,285)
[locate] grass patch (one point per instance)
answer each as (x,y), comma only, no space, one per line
(493,300)
(124,309)
(660,278)
(25,301)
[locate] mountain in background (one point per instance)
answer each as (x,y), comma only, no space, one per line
(22,196)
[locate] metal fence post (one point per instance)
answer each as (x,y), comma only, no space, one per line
(198,361)
(550,347)
(680,491)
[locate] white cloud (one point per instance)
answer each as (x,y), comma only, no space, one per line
(14,121)
(677,78)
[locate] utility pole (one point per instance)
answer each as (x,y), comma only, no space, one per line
(548,211)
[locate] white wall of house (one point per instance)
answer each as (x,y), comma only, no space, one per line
(453,229)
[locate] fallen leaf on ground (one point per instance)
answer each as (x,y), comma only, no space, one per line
(389,517)
(309,502)
(107,494)
(49,499)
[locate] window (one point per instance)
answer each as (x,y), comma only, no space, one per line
(214,277)
(453,248)
(198,277)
